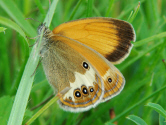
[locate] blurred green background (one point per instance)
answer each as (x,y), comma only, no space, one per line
(144,70)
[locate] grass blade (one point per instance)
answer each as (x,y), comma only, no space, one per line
(136,119)
(146,40)
(22,95)
(134,14)
(157,108)
(23,91)
(75,9)
(13,25)
(50,13)
(137,104)
(141,54)
(109,8)
(162,120)
(2,29)
(53,100)
(89,10)
(13,11)
(38,3)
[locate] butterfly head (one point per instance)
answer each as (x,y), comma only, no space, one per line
(46,30)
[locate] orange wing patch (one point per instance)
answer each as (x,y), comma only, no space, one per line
(110,37)
(112,84)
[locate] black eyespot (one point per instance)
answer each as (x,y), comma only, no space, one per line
(85,65)
(84,90)
(109,80)
(91,89)
(77,94)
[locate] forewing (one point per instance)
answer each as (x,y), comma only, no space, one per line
(110,37)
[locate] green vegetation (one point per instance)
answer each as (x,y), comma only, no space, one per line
(143,99)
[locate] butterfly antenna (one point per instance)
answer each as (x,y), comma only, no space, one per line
(32,19)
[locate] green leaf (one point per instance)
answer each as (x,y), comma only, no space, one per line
(131,18)
(129,9)
(9,23)
(75,10)
(89,10)
(13,11)
(109,8)
(45,107)
(149,39)
(23,92)
(137,104)
(2,29)
(162,120)
(141,54)
(39,5)
(157,108)
(13,25)
(136,119)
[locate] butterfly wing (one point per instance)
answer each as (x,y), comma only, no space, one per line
(105,73)
(110,37)
(65,60)
(72,76)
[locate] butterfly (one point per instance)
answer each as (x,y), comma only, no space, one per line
(78,58)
